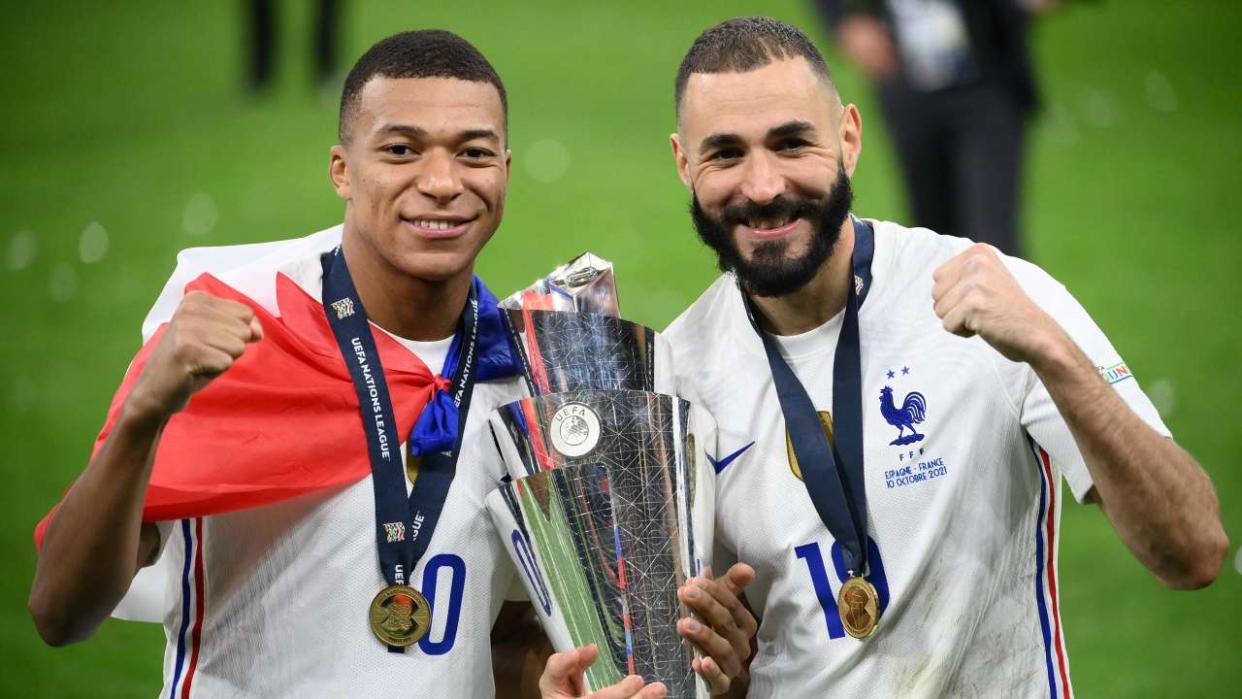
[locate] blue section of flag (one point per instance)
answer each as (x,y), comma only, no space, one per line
(436,427)
(722,463)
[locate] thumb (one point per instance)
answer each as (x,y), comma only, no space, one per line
(563,672)
(738,577)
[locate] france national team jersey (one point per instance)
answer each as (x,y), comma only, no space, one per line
(273,601)
(964,455)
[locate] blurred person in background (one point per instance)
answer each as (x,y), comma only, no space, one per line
(262,45)
(956,87)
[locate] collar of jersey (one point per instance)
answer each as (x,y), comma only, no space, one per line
(752,343)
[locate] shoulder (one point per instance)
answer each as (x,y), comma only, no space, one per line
(901,251)
(711,339)
(906,260)
(717,304)
(250,268)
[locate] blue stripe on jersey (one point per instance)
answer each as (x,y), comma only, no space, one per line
(185,606)
(1039,577)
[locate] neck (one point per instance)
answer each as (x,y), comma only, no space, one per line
(407,306)
(819,299)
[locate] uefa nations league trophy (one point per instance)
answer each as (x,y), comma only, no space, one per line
(610,502)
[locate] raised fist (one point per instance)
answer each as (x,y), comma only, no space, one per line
(204,337)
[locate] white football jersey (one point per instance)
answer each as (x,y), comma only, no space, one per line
(273,601)
(964,455)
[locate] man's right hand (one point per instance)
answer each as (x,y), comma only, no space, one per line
(204,337)
(563,679)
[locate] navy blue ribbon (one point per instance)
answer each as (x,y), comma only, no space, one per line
(403,526)
(833,473)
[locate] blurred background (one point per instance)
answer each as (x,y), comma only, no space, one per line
(133,130)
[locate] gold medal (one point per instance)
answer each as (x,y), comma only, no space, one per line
(859,606)
(400,615)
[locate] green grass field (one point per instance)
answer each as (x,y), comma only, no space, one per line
(125,138)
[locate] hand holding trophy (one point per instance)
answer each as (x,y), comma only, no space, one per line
(608,512)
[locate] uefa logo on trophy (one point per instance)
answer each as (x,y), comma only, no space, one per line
(609,504)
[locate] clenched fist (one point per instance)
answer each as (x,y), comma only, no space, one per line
(975,294)
(203,339)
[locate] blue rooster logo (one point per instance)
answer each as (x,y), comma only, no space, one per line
(912,411)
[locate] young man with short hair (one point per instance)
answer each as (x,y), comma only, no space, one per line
(232,451)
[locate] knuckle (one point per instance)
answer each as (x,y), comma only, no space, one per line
(750,626)
(183,346)
(245,312)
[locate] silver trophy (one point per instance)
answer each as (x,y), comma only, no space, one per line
(584,284)
(569,337)
(610,502)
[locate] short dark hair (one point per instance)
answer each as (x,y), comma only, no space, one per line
(743,44)
(427,53)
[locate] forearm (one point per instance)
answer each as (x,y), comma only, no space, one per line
(92,545)
(1158,498)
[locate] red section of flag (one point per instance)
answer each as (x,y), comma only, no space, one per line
(283,421)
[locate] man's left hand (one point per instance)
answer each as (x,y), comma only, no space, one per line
(728,626)
(975,294)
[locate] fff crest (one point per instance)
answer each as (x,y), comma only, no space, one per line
(913,411)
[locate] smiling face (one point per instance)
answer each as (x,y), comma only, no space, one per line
(767,155)
(424,171)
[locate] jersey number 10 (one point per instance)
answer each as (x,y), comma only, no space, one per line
(819,578)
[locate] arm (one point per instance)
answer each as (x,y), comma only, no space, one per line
(1153,492)
(96,541)
(1155,495)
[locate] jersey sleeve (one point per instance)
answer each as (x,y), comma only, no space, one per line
(1038,414)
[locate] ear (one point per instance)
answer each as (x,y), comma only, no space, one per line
(508,164)
(683,162)
(338,171)
(850,134)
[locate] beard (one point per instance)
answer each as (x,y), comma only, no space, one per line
(770,271)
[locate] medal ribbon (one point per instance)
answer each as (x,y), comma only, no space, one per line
(403,527)
(832,473)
